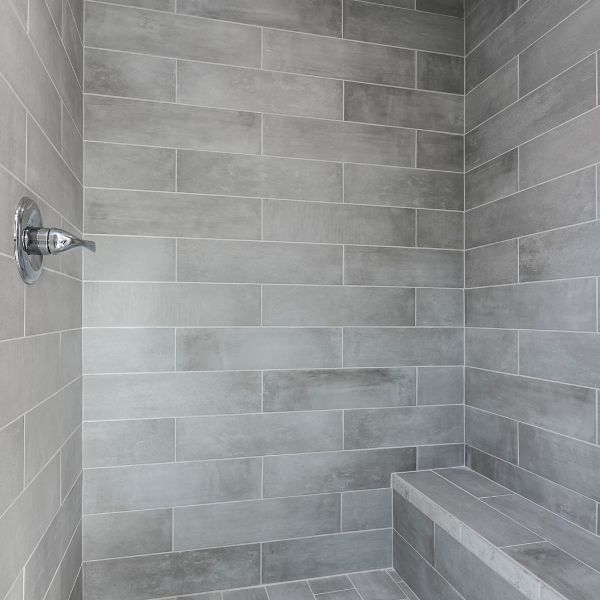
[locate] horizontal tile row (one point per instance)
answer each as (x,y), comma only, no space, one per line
(171,395)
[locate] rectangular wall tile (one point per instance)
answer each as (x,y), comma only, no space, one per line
(12,447)
(440,229)
(295,137)
(492,434)
(440,456)
(440,385)
(493,180)
(414,526)
(486,16)
(495,349)
(440,72)
(495,264)
(257,348)
(439,307)
(440,151)
(366,509)
(12,120)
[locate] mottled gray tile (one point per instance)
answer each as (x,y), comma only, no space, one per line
(12,123)
(493,180)
(297,590)
(492,349)
(492,434)
(297,137)
(327,554)
(342,59)
(420,267)
(485,16)
(440,151)
(367,509)
(494,264)
(440,456)
(440,385)
(11,469)
(12,298)
(257,593)
(454,8)
(439,307)
(259,176)
(369,184)
(256,90)
(231,523)
(440,229)
(337,306)
(339,388)
(70,463)
(330,584)
(440,72)
(414,526)
(375,347)
(298,474)
(394,27)
(71,144)
(472,482)
(169,35)
(112,535)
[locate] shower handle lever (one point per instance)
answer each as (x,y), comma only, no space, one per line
(44,241)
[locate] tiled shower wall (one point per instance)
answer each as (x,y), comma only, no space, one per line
(533,258)
(273,322)
(41,116)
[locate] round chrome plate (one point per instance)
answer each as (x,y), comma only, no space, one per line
(27,215)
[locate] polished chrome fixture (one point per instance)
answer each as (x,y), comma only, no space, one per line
(33,241)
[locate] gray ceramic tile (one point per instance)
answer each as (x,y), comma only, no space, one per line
(492,434)
(475,514)
(569,42)
(403,108)
(16,590)
(330,584)
(569,305)
(176,36)
(170,304)
(155,395)
(493,180)
(375,347)
(12,121)
(71,144)
(136,167)
(200,438)
(259,176)
(112,535)
(126,121)
(12,448)
(566,461)
(440,229)
(492,349)
(492,95)
(339,388)
(297,137)
(128,350)
(368,184)
(164,5)
(562,408)
(567,357)
(440,151)
(440,456)
(172,484)
(257,593)
(112,443)
(137,577)
(469,575)
(484,18)
(366,509)
(334,471)
(494,264)
(342,59)
(12,298)
(299,15)
(440,72)
(405,426)
(569,252)
(567,503)
(256,90)
(393,27)
(328,554)
(258,262)
(439,307)
(297,590)
(440,385)
(338,223)
(376,585)
(565,574)
(453,8)
(472,482)
(70,463)
(533,210)
(414,526)
(122,212)
(419,267)
(563,98)
(72,41)
(258,348)
(337,306)
(131,75)
(231,523)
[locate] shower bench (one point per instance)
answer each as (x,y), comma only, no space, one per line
(460,535)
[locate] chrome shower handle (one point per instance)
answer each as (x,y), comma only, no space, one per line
(43,241)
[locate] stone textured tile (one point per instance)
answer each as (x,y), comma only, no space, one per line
(495,264)
(368,184)
(440,151)
(440,72)
(440,385)
(326,585)
(12,448)
(258,176)
(236,88)
(338,306)
(257,593)
(200,438)
(393,27)
(484,18)
(492,349)
(12,297)
(300,15)
(141,487)
(169,35)
(492,434)
(419,267)
(414,526)
(439,307)
(493,180)
(12,121)
(342,59)
(453,8)
(296,137)
(334,471)
(370,347)
(440,456)
(329,554)
(231,523)
(296,590)
(71,144)
(376,585)
(440,229)
(472,482)
(366,509)
(339,388)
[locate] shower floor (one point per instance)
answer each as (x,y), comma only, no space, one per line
(367,585)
